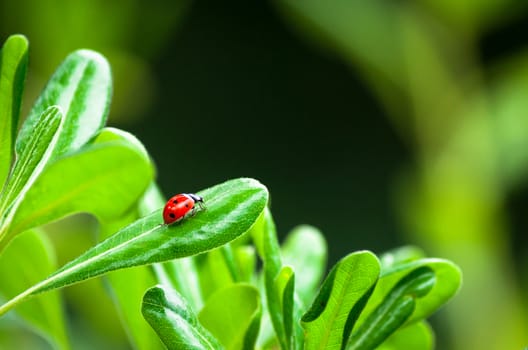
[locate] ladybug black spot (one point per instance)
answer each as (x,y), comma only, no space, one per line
(186,205)
(175,201)
(172,215)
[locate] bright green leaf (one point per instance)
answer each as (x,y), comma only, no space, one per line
(81,86)
(246,262)
(13,66)
(105,179)
(175,322)
(305,250)
(284,287)
(394,310)
(341,298)
(29,163)
(232,315)
(232,208)
(416,336)
(27,260)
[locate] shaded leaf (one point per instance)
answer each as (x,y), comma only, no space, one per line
(13,66)
(232,315)
(416,336)
(394,310)
(28,259)
(448,280)
(306,251)
(175,323)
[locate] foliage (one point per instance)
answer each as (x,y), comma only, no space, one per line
(196,281)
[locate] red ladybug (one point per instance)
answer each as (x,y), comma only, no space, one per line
(180,206)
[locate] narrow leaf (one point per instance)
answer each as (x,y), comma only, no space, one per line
(232,208)
(448,280)
(265,238)
(174,322)
(105,179)
(394,311)
(81,86)
(27,260)
(341,298)
(29,163)
(284,287)
(306,251)
(231,315)
(13,66)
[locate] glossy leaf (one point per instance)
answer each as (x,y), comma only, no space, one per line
(416,336)
(306,251)
(105,179)
(81,86)
(30,161)
(394,310)
(13,66)
(175,322)
(342,296)
(232,208)
(27,260)
(448,280)
(232,315)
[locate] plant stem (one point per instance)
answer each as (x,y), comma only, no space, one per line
(18,299)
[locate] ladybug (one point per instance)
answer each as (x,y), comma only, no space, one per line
(181,206)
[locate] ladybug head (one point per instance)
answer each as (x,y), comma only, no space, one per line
(195,197)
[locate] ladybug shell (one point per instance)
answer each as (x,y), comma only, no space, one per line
(177,207)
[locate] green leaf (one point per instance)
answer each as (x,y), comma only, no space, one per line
(342,296)
(416,336)
(30,161)
(81,86)
(13,66)
(232,208)
(213,272)
(394,310)
(174,322)
(448,280)
(265,238)
(232,315)
(284,287)
(305,250)
(105,179)
(28,259)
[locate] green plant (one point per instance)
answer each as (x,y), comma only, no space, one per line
(197,282)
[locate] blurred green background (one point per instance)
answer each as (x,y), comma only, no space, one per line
(380,122)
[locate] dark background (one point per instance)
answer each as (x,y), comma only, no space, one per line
(241,95)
